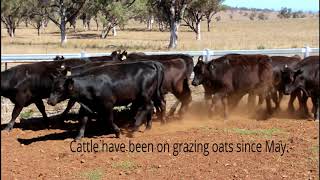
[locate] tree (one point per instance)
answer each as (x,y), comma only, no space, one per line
(173,12)
(36,14)
(60,12)
(12,12)
(285,13)
(212,7)
(113,13)
(89,11)
(194,15)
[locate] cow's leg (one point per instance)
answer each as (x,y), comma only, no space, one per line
(207,97)
(224,101)
(108,114)
(185,97)
(16,111)
(141,115)
(315,102)
(280,97)
(69,106)
(293,96)
(41,108)
(268,104)
(161,110)
(214,102)
(251,102)
(149,120)
(84,119)
(173,108)
(304,112)
(275,99)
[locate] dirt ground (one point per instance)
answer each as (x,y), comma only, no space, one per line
(30,151)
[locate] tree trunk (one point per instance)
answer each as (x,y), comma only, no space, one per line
(173,35)
(198,31)
(208,24)
(105,32)
(63,33)
(97,24)
(38,29)
(84,24)
(161,28)
(88,24)
(114,31)
(150,23)
(11,32)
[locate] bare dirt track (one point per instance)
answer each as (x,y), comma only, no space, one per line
(32,152)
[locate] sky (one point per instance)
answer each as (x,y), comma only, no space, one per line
(304,5)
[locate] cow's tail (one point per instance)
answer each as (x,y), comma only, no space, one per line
(160,78)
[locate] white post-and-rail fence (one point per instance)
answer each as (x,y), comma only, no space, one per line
(207,53)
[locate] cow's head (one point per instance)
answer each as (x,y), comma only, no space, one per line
(62,89)
(292,79)
(123,55)
(57,58)
(199,72)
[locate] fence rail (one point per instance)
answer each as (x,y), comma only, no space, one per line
(207,53)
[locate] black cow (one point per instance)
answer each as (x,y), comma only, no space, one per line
(278,62)
(165,60)
(101,88)
(30,83)
(304,76)
(234,76)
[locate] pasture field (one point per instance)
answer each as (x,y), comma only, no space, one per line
(236,34)
(31,151)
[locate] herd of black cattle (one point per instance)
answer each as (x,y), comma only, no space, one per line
(99,84)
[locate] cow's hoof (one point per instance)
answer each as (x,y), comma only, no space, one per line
(148,127)
(79,137)
(8,128)
(117,134)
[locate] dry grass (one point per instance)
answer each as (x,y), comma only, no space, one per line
(239,33)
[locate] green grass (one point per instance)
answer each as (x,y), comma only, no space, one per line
(315,151)
(26,114)
(124,165)
(95,174)
(259,132)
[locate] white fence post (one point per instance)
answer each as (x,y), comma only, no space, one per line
(306,51)
(83,55)
(207,54)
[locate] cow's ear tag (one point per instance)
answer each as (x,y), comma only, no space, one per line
(62,67)
(123,58)
(68,73)
(286,66)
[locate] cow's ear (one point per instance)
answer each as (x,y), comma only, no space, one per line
(200,58)
(70,84)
